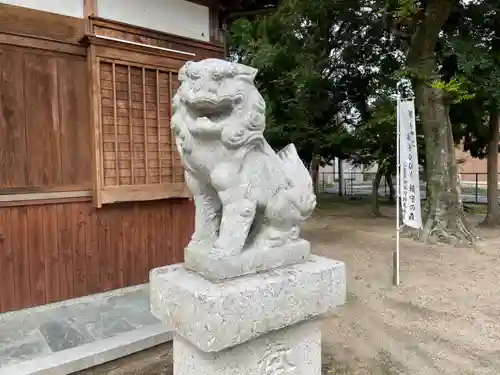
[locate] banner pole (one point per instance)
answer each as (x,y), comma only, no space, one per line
(395,258)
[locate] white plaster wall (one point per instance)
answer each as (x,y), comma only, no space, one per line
(72,8)
(178,17)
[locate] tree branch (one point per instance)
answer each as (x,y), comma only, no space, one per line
(425,38)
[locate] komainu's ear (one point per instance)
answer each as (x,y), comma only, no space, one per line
(184,71)
(246,72)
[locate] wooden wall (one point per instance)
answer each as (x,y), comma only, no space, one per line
(44,137)
(54,243)
(52,252)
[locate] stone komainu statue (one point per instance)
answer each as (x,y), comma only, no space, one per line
(245,194)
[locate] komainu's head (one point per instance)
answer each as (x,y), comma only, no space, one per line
(213,87)
(215,90)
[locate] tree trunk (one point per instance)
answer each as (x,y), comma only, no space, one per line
(445,220)
(375,187)
(390,184)
(314,170)
(493,213)
(341,177)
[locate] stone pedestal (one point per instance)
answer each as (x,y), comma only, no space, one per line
(260,324)
(295,350)
(253,260)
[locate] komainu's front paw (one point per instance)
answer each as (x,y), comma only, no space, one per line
(276,238)
(199,241)
(276,241)
(224,248)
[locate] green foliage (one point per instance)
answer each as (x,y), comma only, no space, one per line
(327,69)
(319,63)
(375,139)
(471,65)
(458,90)
(407,9)
(291,79)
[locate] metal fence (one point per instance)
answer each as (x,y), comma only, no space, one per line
(474,189)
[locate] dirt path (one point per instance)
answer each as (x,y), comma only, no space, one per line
(443,319)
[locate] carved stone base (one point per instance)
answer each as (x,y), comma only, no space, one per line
(217,316)
(295,350)
(250,261)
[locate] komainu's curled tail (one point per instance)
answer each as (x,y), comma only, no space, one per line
(301,191)
(292,204)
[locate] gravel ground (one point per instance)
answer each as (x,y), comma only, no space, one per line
(443,319)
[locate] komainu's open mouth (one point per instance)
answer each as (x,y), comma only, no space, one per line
(214,110)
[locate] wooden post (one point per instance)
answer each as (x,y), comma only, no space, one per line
(95,120)
(89,10)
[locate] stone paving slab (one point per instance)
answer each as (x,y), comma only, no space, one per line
(61,335)
(21,350)
(88,356)
(42,331)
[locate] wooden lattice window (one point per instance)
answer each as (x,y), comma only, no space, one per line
(137,156)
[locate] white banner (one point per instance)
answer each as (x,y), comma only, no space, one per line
(409,183)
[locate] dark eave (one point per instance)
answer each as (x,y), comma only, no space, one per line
(232,9)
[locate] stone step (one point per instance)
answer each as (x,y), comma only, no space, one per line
(73,335)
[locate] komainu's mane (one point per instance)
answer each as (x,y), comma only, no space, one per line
(246,123)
